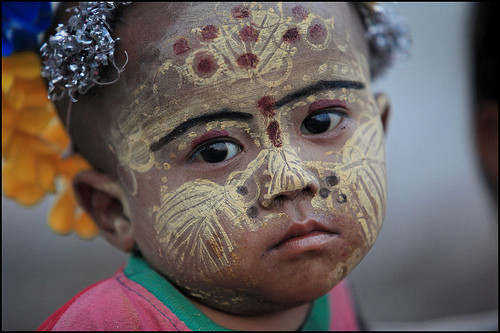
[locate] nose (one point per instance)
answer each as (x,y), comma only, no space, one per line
(289,177)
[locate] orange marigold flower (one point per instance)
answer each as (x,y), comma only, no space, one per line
(33,139)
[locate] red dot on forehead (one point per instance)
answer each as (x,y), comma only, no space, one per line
(266,106)
(209,33)
(317,31)
(299,13)
(249,34)
(181,46)
(205,65)
(240,12)
(247,60)
(291,36)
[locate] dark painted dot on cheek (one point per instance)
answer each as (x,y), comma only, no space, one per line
(291,36)
(240,12)
(299,13)
(266,106)
(181,46)
(209,33)
(242,190)
(341,198)
(253,212)
(323,192)
(332,180)
(249,34)
(247,60)
(273,132)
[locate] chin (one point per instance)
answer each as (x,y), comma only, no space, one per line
(294,291)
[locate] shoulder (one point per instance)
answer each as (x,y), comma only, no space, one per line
(116,303)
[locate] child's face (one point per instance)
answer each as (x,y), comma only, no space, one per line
(241,127)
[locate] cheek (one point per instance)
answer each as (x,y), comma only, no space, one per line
(356,183)
(198,225)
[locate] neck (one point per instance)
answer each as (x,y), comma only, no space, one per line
(287,320)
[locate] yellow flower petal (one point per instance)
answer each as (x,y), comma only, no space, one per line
(22,141)
(70,166)
(85,227)
(33,120)
(6,138)
(7,80)
(24,193)
(26,65)
(61,216)
(46,174)
(15,96)
(56,134)
(24,161)
(36,93)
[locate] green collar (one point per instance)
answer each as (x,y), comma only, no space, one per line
(139,271)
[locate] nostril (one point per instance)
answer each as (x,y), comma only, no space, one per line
(307,190)
(279,198)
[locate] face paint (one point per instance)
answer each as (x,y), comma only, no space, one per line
(245,59)
(358,180)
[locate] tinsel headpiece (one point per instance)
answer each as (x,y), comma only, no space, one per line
(74,57)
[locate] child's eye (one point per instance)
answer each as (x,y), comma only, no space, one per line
(321,122)
(215,152)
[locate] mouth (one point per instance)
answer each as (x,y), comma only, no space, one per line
(309,235)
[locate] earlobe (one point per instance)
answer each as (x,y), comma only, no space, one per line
(384,107)
(103,199)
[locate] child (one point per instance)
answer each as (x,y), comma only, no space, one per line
(238,155)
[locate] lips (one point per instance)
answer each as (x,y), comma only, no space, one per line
(305,235)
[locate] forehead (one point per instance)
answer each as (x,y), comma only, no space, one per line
(190,58)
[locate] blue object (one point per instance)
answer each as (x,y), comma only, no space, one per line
(22,22)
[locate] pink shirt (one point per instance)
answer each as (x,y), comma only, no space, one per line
(118,303)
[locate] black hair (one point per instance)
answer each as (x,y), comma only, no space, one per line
(485,51)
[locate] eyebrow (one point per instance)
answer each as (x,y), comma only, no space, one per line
(228,114)
(317,87)
(223,114)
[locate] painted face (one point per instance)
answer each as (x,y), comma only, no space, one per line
(252,152)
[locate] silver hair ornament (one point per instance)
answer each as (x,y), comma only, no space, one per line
(387,35)
(73,58)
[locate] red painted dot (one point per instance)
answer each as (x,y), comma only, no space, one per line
(317,32)
(240,12)
(266,106)
(299,13)
(247,60)
(205,65)
(209,33)
(291,36)
(274,133)
(181,46)
(249,34)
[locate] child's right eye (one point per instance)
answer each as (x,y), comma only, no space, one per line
(215,152)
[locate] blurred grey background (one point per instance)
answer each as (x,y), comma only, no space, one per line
(435,264)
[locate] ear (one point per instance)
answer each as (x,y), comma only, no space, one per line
(384,107)
(104,200)
(486,133)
